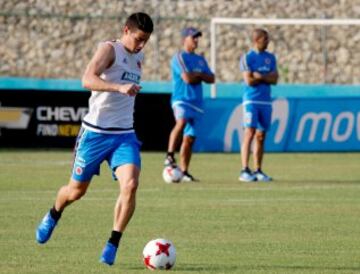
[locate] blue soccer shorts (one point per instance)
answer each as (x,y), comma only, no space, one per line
(191,116)
(93,148)
(257,116)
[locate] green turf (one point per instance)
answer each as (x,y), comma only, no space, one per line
(306,221)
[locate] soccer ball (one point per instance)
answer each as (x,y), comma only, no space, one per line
(159,254)
(172,174)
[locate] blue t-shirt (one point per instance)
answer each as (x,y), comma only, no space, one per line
(262,62)
(190,94)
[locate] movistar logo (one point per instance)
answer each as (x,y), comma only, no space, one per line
(132,77)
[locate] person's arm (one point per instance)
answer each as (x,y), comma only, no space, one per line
(250,79)
(103,59)
(247,73)
(191,77)
(270,78)
(206,75)
(178,67)
(207,78)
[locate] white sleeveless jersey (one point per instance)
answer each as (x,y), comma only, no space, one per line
(112,112)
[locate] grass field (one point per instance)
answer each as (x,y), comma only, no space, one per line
(306,221)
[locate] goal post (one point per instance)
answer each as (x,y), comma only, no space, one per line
(257,21)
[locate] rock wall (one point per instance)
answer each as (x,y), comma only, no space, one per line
(56,39)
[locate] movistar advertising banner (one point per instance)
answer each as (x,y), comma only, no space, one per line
(298,124)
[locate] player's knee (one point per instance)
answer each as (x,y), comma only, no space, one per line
(130,186)
(189,140)
(180,124)
(76,194)
(249,133)
(260,136)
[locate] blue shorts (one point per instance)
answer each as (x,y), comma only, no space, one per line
(191,116)
(257,116)
(93,148)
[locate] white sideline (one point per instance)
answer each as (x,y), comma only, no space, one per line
(210,201)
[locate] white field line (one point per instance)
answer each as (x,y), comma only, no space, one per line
(35,195)
(105,190)
(276,200)
(286,188)
(208,189)
(210,201)
(17,162)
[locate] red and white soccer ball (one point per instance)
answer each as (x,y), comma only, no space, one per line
(172,174)
(159,254)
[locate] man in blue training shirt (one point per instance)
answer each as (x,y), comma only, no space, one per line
(259,71)
(189,70)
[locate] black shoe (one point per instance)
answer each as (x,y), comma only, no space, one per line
(169,161)
(187,177)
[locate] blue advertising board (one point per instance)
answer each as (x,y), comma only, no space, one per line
(298,124)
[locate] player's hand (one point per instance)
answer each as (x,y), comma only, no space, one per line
(257,75)
(129,89)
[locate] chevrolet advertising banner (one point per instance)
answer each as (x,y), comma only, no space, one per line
(32,118)
(39,118)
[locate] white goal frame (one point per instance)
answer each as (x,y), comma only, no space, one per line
(257,21)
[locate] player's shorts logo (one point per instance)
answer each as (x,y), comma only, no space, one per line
(247,117)
(78,170)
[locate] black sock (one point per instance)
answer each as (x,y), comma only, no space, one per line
(55,214)
(115,238)
(170,154)
(246,169)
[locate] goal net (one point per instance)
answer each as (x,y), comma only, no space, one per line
(309,51)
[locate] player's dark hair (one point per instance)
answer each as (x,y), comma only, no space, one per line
(259,33)
(141,21)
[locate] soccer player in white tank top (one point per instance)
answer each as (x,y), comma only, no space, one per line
(113,75)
